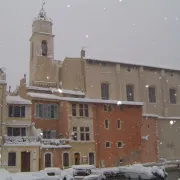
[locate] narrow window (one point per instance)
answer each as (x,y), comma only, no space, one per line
(152,94)
(130,92)
(66,159)
(47,160)
(106,123)
(108,144)
(10,112)
(73,109)
(12,159)
(44,48)
(22,111)
(9,131)
(86,112)
(173,95)
(91,158)
(119,124)
(23,131)
(105,91)
(81,109)
(74,134)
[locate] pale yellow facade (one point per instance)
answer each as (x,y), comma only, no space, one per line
(34,157)
(79,146)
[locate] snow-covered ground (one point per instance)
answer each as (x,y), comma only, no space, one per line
(134,171)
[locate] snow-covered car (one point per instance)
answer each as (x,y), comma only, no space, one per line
(95,177)
(5,175)
(56,173)
(82,170)
(135,172)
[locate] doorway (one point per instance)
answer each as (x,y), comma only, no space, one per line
(25,161)
(77,158)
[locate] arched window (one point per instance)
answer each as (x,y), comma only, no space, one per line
(66,159)
(44,48)
(91,158)
(48,160)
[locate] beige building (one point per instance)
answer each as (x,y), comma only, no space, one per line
(157,87)
(20,151)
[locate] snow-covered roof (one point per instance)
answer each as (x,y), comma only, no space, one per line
(43,96)
(17,100)
(161,117)
(55,146)
(84,100)
(3,82)
(133,64)
(63,91)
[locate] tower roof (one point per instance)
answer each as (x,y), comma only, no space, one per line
(42,15)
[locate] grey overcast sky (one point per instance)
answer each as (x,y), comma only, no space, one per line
(136,31)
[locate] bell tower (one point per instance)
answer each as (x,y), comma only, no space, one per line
(43,69)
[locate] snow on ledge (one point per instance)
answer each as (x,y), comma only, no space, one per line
(3,82)
(161,117)
(55,146)
(17,100)
(63,91)
(87,100)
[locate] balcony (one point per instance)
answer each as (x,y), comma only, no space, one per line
(55,143)
(21,140)
(35,141)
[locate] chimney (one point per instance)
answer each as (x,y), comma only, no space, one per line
(9,89)
(83,53)
(25,77)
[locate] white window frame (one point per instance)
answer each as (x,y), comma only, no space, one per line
(109,143)
(121,143)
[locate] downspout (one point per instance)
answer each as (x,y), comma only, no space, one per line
(2,112)
(98,135)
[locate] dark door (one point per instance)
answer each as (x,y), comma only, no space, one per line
(25,161)
(77,159)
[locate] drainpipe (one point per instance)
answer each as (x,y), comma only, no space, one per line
(2,111)
(98,135)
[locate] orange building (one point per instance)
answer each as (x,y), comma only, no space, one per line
(149,145)
(117,131)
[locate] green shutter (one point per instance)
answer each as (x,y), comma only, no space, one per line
(37,110)
(55,111)
(49,111)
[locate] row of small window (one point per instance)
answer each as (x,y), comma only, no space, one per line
(46,111)
(107,124)
(48,159)
(12,131)
(16,111)
(83,135)
(119,144)
(83,110)
(130,93)
(65,160)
